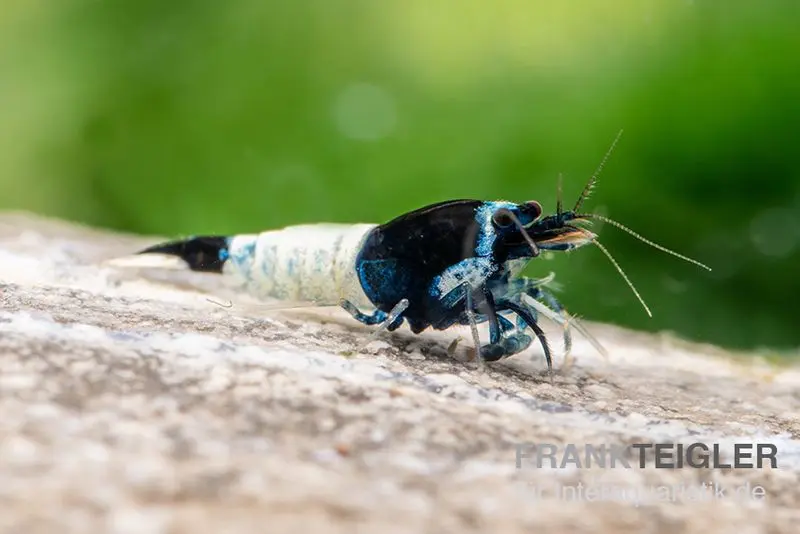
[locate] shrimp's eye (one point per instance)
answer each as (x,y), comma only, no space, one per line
(534,208)
(503,218)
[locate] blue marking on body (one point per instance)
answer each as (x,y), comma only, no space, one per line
(243,257)
(471,271)
(487,233)
(321,259)
(382,281)
(247,252)
(268,259)
(380,271)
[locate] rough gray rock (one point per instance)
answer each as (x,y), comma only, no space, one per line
(131,405)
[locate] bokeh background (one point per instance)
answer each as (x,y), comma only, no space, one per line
(187,117)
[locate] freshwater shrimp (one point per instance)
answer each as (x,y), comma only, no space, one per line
(456,262)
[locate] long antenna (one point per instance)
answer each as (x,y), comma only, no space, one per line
(593,180)
(627,280)
(559,191)
(616,265)
(643,239)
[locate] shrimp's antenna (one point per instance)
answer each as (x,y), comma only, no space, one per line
(616,265)
(559,201)
(593,180)
(642,239)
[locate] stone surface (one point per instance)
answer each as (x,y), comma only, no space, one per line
(129,402)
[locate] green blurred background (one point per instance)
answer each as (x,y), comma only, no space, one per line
(223,117)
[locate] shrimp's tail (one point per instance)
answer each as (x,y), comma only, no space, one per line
(202,253)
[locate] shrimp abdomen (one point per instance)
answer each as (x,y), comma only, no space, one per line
(313,262)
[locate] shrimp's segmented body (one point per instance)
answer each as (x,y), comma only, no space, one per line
(313,262)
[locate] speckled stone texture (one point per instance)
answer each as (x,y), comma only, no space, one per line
(130,402)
